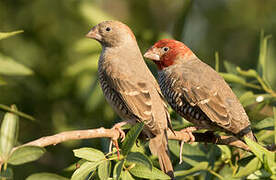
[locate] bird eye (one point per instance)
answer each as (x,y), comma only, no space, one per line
(108,29)
(165,49)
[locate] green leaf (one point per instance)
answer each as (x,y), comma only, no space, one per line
(225,153)
(19,113)
(192,154)
(262,69)
(144,172)
(247,73)
(84,170)
(45,176)
(9,133)
(26,154)
(89,154)
(260,174)
(131,137)
(249,168)
(118,169)
(4,35)
(139,158)
(104,170)
(233,78)
(266,123)
(199,167)
(263,154)
(230,68)
(227,173)
(247,98)
(257,149)
(126,176)
(6,174)
(10,67)
(73,166)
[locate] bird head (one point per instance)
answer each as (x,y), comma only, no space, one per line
(111,33)
(167,52)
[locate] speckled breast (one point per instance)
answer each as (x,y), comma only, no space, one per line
(178,102)
(112,96)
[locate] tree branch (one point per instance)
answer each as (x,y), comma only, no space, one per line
(114,135)
(209,137)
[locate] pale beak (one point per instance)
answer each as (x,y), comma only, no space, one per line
(94,34)
(152,55)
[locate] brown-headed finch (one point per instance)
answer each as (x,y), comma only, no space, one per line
(130,88)
(196,91)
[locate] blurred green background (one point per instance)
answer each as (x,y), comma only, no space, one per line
(63,92)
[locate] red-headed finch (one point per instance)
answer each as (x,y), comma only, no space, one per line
(196,91)
(130,88)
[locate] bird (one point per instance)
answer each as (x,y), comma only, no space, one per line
(196,91)
(130,88)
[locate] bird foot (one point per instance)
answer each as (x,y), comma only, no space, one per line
(121,132)
(189,131)
(122,135)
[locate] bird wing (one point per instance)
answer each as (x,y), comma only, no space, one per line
(136,97)
(204,88)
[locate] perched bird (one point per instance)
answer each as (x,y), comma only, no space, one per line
(130,88)
(196,91)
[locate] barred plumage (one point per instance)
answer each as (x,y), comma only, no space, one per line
(178,102)
(112,96)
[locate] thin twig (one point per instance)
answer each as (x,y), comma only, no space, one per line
(7,108)
(114,134)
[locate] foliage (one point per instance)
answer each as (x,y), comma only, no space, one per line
(49,71)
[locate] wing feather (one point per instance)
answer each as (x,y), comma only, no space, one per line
(136,96)
(198,90)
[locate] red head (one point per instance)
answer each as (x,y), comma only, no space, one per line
(167,52)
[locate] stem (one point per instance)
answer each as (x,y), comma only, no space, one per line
(215,174)
(264,86)
(5,166)
(274,112)
(129,167)
(7,108)
(217,61)
(252,86)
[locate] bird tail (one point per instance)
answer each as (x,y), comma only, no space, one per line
(159,147)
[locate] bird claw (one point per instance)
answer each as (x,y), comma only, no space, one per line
(117,127)
(189,131)
(122,136)
(115,142)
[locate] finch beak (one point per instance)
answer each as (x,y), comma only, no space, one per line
(150,54)
(94,34)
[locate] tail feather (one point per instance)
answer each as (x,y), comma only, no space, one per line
(159,147)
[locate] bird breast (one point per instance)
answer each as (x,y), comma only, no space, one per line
(110,94)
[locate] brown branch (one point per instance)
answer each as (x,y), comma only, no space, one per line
(209,137)
(73,135)
(114,134)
